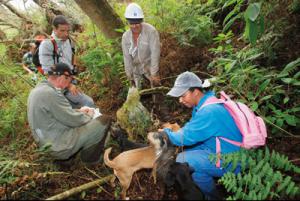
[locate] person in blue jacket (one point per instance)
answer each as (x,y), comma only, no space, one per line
(199,134)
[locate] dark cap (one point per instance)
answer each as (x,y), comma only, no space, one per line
(60,69)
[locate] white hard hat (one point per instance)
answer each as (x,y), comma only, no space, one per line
(134,11)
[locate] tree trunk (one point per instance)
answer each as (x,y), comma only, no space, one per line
(103,15)
(14,10)
(2,35)
(51,10)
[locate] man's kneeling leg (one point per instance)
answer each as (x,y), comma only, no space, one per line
(92,154)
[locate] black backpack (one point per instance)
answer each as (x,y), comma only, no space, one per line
(35,56)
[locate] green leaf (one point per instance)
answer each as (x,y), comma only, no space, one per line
(254,57)
(228,3)
(296,109)
(253,11)
(265,98)
(279,122)
(262,87)
(290,120)
(120,30)
(296,83)
(292,66)
(287,80)
(83,194)
(254,106)
(251,31)
(99,190)
(229,15)
(229,66)
(285,100)
(231,21)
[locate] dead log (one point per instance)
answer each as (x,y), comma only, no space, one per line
(154,90)
(15,11)
(81,188)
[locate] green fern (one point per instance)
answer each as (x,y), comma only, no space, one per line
(262,176)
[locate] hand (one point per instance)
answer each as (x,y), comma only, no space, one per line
(73,89)
(155,80)
(160,130)
(91,112)
(174,127)
(87,110)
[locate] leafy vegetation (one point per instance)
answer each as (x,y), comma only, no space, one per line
(263,176)
(244,40)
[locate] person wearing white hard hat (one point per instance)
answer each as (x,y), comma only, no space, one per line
(141,48)
(199,135)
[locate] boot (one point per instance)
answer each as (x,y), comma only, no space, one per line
(67,164)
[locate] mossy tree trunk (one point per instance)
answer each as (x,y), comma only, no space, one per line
(103,15)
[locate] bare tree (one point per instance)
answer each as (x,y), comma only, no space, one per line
(14,10)
(103,15)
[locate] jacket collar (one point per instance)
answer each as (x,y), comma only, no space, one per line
(202,100)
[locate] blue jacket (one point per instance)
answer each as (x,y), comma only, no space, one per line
(205,125)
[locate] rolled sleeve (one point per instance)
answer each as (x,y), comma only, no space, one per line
(127,58)
(155,52)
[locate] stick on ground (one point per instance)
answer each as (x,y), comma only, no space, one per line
(81,188)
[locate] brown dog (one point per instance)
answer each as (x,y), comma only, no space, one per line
(128,162)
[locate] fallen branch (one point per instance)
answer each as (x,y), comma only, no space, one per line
(154,90)
(81,188)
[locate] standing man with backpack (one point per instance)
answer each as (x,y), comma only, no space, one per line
(60,48)
(199,136)
(35,59)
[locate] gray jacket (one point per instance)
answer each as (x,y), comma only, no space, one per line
(52,119)
(145,59)
(46,53)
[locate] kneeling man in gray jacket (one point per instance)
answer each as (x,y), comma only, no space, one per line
(54,122)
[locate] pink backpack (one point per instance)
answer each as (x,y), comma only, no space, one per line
(252,127)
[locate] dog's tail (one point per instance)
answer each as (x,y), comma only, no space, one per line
(107,161)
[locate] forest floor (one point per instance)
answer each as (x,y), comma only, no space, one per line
(174,61)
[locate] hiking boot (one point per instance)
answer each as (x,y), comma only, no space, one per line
(67,164)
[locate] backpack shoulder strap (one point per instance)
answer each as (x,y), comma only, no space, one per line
(72,45)
(55,50)
(212,100)
(73,50)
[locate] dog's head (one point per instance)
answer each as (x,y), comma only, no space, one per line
(180,173)
(159,140)
(116,131)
